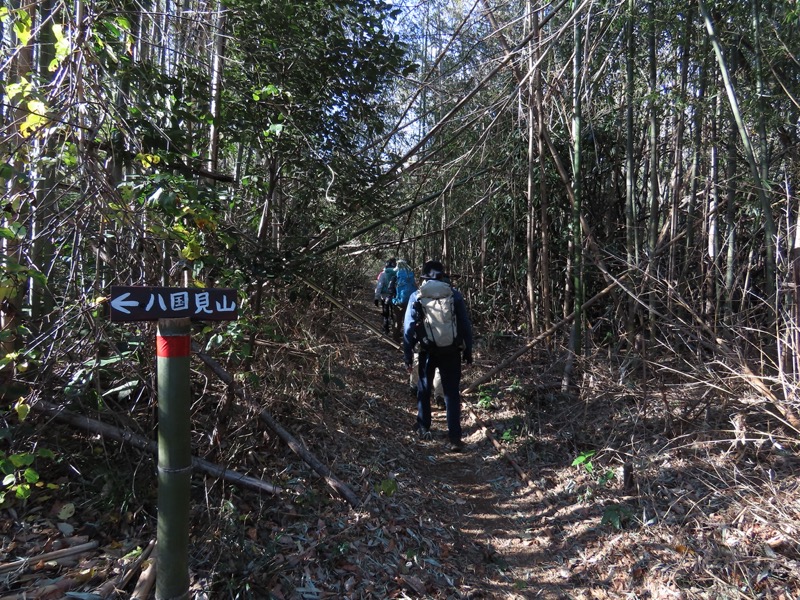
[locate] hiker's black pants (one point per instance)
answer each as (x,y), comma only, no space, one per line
(449,365)
(399,315)
(386,311)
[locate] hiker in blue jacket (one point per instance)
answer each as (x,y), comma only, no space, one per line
(401,290)
(383,297)
(437,320)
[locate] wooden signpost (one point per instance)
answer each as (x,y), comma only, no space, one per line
(174,309)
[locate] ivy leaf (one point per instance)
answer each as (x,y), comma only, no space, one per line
(22,408)
(22,26)
(192,251)
(35,120)
(30,475)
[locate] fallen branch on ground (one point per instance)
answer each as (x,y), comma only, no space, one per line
(142,443)
(146,580)
(47,556)
(340,487)
(350,313)
(121,581)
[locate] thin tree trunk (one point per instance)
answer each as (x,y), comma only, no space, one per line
(652,230)
(730,221)
(677,185)
(576,237)
(770,231)
(712,230)
(217,63)
(13,289)
(631,229)
(698,124)
(531,214)
(546,300)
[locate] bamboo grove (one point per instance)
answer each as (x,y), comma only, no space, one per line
(543,150)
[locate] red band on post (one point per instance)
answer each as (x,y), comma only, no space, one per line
(173,346)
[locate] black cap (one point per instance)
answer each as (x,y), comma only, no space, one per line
(390,264)
(433,269)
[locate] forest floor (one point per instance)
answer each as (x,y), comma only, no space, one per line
(649,486)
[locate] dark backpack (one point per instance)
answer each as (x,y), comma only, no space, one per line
(436,314)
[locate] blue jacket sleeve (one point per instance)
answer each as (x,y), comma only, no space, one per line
(409,332)
(463,324)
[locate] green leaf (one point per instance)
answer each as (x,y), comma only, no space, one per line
(387,487)
(10,479)
(30,475)
(23,410)
(22,460)
(582,458)
(192,251)
(62,46)
(22,26)
(14,231)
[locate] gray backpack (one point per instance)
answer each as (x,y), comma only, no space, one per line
(437,309)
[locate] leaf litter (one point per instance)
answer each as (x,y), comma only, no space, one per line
(701,516)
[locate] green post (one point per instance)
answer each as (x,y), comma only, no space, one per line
(173,344)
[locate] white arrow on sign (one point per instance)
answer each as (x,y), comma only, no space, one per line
(120,303)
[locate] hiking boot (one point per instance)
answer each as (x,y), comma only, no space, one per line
(422,432)
(440,403)
(455,446)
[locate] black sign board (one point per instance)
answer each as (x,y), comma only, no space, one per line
(153,303)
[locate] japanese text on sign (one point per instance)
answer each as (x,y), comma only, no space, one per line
(150,303)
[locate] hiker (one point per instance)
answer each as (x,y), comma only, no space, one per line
(383,298)
(401,289)
(437,320)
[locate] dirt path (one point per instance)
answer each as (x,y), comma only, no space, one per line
(475,495)
(574,531)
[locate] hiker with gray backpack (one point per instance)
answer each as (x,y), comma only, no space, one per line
(437,322)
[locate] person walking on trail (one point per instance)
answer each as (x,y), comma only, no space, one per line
(383,296)
(437,321)
(401,289)
(404,286)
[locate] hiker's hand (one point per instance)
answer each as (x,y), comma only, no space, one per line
(377,302)
(408,367)
(468,356)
